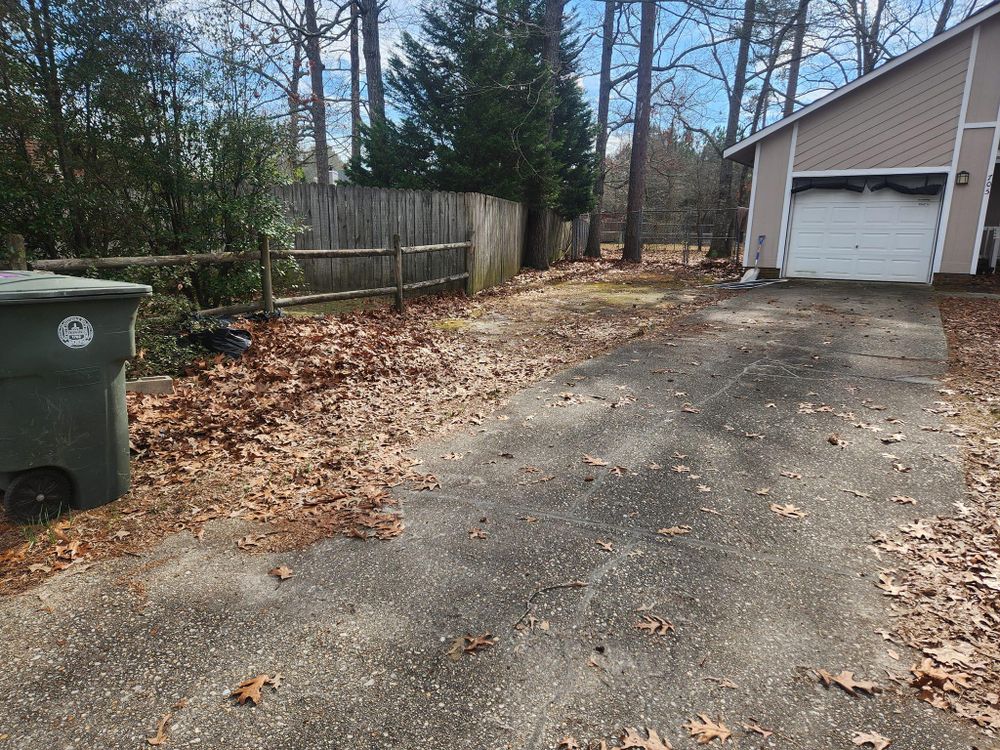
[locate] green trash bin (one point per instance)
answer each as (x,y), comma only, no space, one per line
(63,422)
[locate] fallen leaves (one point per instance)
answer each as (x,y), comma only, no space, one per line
(605,545)
(470,644)
(477,533)
(787,510)
(874,739)
(593,460)
(161,731)
(674,531)
(704,730)
(654,625)
(845,680)
(282,572)
(632,739)
(757,729)
(251,689)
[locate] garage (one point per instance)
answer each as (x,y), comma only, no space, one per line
(864,229)
(888,177)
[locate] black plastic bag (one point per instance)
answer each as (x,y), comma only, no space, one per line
(229,341)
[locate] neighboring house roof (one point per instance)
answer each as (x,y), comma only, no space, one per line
(742,151)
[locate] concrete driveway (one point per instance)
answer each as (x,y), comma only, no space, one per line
(757,600)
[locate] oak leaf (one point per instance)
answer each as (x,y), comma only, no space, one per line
(876,740)
(846,681)
(704,730)
(787,511)
(674,531)
(250,690)
(633,740)
(282,572)
(593,460)
(161,731)
(654,625)
(757,729)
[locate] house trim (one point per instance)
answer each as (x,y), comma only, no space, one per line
(786,209)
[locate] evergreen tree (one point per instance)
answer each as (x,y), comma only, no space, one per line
(474,102)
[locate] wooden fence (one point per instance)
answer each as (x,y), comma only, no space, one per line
(397,287)
(347,216)
(359,242)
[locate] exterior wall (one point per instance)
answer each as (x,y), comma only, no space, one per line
(993,211)
(770,192)
(962,236)
(977,154)
(905,118)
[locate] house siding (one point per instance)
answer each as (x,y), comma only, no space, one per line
(906,118)
(962,235)
(984,97)
(770,177)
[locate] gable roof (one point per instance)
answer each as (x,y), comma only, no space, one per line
(736,151)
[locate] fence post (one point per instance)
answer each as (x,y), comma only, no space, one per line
(470,263)
(15,259)
(267,291)
(399,272)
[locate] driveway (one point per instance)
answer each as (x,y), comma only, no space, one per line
(744,401)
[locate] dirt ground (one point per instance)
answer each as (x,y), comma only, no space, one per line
(308,432)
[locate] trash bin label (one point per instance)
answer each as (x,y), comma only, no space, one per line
(76,332)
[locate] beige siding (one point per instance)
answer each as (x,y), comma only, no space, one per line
(905,118)
(769,184)
(984,97)
(961,240)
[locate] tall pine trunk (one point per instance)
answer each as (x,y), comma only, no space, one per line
(536,248)
(373,61)
(725,202)
(603,102)
(640,136)
(317,102)
(795,64)
(355,85)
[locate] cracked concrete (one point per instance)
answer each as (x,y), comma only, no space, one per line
(361,633)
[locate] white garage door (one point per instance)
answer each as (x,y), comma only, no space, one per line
(880,236)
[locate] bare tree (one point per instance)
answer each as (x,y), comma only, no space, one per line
(795,61)
(603,105)
(632,250)
(720,246)
(317,102)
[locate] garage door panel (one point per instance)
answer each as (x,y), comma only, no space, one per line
(881,236)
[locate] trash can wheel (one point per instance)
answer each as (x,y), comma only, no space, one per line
(38,494)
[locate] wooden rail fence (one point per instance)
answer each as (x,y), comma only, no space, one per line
(268,302)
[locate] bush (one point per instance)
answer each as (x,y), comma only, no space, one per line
(161,343)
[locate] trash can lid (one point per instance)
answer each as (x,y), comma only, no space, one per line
(27,286)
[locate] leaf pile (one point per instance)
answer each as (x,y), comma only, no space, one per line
(310,429)
(945,591)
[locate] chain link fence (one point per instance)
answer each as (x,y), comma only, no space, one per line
(689,232)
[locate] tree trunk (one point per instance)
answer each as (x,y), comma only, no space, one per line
(294,107)
(603,101)
(795,63)
(373,60)
(640,136)
(721,242)
(943,16)
(355,85)
(536,250)
(318,98)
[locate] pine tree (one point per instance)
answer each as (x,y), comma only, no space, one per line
(474,102)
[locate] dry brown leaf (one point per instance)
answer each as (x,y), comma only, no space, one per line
(674,531)
(846,681)
(282,571)
(593,460)
(605,545)
(250,690)
(787,511)
(705,730)
(757,729)
(632,739)
(876,740)
(654,625)
(161,731)
(470,644)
